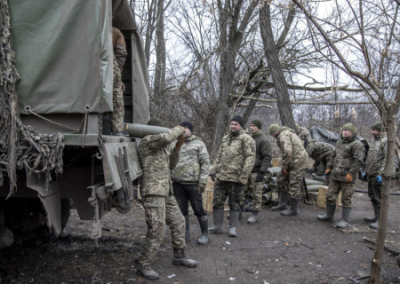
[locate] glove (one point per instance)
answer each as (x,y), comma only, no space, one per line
(260,177)
(349,178)
(201,187)
(311,170)
(212,176)
(327,171)
(364,176)
(285,172)
(379,180)
(181,140)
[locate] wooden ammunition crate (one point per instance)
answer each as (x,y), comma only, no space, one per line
(276,162)
(321,199)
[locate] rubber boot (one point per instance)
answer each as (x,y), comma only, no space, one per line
(218,215)
(187,225)
(233,220)
(294,208)
(345,218)
(283,199)
(181,259)
(373,219)
(203,221)
(375,225)
(240,213)
(253,218)
(147,273)
(330,212)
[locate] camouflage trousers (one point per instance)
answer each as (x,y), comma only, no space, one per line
(290,183)
(256,190)
(161,211)
(117,116)
(374,190)
(223,189)
(335,186)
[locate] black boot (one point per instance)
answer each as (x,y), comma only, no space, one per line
(373,219)
(187,225)
(203,221)
(375,225)
(253,218)
(181,259)
(345,218)
(218,215)
(294,208)
(330,212)
(233,220)
(283,199)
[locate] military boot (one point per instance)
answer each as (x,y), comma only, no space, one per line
(181,259)
(345,218)
(147,273)
(294,208)
(203,221)
(373,219)
(233,220)
(187,225)
(253,218)
(375,225)
(330,212)
(218,214)
(283,200)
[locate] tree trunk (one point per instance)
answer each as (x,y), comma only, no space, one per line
(159,76)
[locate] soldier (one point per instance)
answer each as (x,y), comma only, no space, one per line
(263,161)
(303,133)
(119,56)
(158,157)
(376,160)
(189,180)
(294,166)
(235,159)
(320,152)
(343,167)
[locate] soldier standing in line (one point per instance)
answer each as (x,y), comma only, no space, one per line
(263,161)
(303,133)
(343,167)
(189,180)
(119,56)
(294,166)
(320,152)
(158,157)
(376,160)
(235,159)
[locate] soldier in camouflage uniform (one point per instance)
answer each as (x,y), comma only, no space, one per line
(320,152)
(189,180)
(303,133)
(158,157)
(376,160)
(263,161)
(235,159)
(343,167)
(294,166)
(119,56)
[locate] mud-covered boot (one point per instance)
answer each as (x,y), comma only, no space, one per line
(187,225)
(218,215)
(330,212)
(283,200)
(181,259)
(294,208)
(345,218)
(203,221)
(375,225)
(233,220)
(147,273)
(373,219)
(253,218)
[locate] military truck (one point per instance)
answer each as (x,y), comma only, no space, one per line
(59,131)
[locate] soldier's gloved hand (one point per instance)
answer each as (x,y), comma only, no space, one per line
(327,171)
(311,170)
(212,176)
(181,140)
(201,187)
(364,176)
(260,176)
(379,180)
(285,172)
(349,178)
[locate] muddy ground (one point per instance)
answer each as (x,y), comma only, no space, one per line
(276,250)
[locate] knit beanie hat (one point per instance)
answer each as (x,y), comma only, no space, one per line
(378,126)
(297,126)
(273,128)
(350,127)
(155,121)
(188,125)
(257,123)
(238,119)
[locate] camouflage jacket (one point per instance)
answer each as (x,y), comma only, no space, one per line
(194,162)
(263,153)
(319,151)
(119,47)
(158,157)
(346,159)
(294,156)
(376,158)
(303,134)
(235,158)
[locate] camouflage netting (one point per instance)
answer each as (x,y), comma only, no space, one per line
(20,146)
